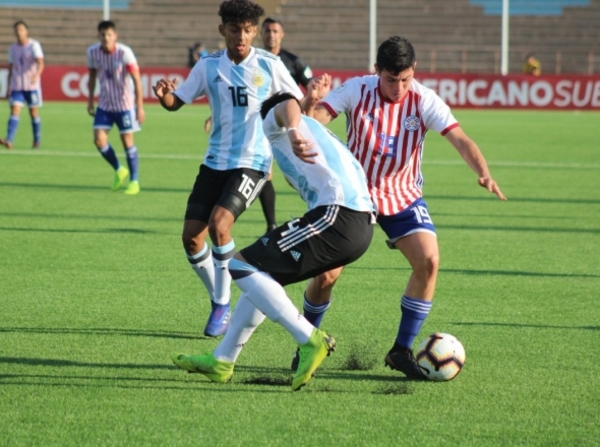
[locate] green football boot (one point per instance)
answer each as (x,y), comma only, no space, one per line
(312,354)
(218,371)
(121,175)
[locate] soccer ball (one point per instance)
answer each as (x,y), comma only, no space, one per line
(440,356)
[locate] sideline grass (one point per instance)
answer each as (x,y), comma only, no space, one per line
(95,294)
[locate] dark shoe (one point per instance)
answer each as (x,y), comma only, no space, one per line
(35,145)
(7,144)
(404,361)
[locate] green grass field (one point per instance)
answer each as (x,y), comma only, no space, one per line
(96,293)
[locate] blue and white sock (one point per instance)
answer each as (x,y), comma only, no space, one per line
(131,154)
(221,256)
(202,264)
(13,124)
(109,155)
(36,124)
(314,312)
(270,298)
(414,312)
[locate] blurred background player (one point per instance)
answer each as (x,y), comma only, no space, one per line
(388,116)
(336,230)
(272,34)
(238,158)
(532,66)
(196,53)
(120,102)
(25,67)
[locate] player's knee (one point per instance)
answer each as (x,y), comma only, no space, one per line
(429,265)
(192,243)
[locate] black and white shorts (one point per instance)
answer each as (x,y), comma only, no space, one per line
(324,238)
(234,190)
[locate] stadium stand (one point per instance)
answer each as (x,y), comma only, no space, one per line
(449,35)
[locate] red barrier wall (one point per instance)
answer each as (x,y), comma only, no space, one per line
(567,92)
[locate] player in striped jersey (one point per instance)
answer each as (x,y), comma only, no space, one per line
(25,66)
(120,102)
(236,164)
(335,231)
(388,115)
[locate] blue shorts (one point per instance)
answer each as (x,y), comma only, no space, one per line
(125,121)
(413,219)
(33,98)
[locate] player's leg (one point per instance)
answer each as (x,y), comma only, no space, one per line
(128,125)
(17,100)
(34,101)
(267,201)
(103,122)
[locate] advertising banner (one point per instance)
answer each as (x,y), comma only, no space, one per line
(557,92)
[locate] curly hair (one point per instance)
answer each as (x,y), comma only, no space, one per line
(240,11)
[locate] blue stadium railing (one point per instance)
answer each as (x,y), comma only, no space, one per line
(528,7)
(66,4)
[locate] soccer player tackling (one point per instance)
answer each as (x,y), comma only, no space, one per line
(236,165)
(120,102)
(388,116)
(25,67)
(336,230)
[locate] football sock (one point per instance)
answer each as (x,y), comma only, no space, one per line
(314,312)
(245,319)
(414,312)
(221,256)
(109,155)
(13,124)
(267,201)
(202,264)
(131,154)
(270,298)
(36,124)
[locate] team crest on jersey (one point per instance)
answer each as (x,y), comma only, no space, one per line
(258,79)
(412,123)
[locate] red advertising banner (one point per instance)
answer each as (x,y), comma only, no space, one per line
(567,92)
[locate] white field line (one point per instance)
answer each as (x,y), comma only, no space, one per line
(516,164)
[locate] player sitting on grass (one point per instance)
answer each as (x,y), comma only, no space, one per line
(335,231)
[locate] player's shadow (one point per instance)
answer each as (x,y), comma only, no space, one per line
(83,231)
(95,217)
(567,201)
(535,326)
(107,331)
(86,187)
(522,229)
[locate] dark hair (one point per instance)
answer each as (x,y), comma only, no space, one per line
(240,11)
(106,24)
(269,21)
(275,99)
(395,55)
(19,22)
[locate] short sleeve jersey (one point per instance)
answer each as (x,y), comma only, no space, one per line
(336,178)
(23,59)
(387,138)
(113,71)
(235,93)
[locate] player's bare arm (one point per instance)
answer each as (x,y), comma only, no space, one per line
(317,89)
(164,92)
(287,114)
(139,97)
(91,88)
(470,152)
(40,69)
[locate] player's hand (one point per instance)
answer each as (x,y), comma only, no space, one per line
(140,115)
(321,86)
(91,109)
(301,147)
(490,184)
(208,124)
(164,86)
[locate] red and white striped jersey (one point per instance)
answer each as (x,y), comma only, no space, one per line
(23,59)
(113,74)
(387,138)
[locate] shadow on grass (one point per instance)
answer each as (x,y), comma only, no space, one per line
(537,326)
(486,272)
(535,229)
(96,231)
(106,331)
(567,201)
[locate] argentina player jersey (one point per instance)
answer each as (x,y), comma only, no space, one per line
(235,93)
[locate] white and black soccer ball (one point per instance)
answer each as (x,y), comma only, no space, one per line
(440,356)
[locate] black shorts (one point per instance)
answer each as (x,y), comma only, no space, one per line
(233,190)
(325,238)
